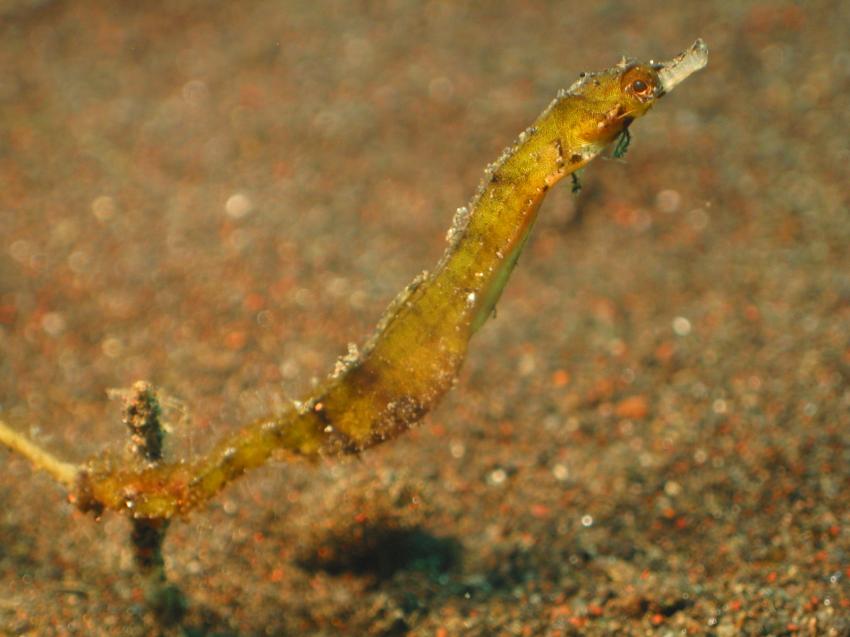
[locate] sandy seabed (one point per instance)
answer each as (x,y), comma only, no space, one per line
(652,437)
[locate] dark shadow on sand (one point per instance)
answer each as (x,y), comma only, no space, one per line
(380,551)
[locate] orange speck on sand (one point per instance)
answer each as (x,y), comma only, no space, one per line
(276,575)
(812,604)
(602,390)
(235,339)
(441,632)
(540,511)
(7,314)
(254,302)
(560,378)
(625,216)
(665,351)
(560,611)
(251,96)
(281,169)
(633,407)
(657,619)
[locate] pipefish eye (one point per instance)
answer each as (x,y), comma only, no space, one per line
(639,83)
(642,87)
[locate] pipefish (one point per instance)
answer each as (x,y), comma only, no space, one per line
(419,345)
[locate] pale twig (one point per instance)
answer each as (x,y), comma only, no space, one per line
(63,472)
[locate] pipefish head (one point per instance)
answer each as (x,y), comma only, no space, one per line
(615,98)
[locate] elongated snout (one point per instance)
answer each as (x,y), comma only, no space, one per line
(673,72)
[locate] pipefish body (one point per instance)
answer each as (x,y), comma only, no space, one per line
(415,354)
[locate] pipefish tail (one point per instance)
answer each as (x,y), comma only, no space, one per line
(415,354)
